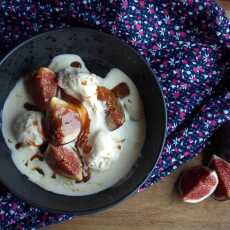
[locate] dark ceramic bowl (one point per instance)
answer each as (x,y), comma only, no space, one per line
(101,52)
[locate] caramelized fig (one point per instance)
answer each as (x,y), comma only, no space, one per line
(42,86)
(197,184)
(64,162)
(63,122)
(114,112)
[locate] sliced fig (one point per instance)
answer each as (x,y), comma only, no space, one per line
(64,162)
(121,90)
(82,141)
(42,86)
(63,122)
(114,113)
(197,184)
(222,168)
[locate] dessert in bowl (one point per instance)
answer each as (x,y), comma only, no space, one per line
(72,132)
(99,108)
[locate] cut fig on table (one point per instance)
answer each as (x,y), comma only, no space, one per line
(197,183)
(63,122)
(115,116)
(64,162)
(222,168)
(42,86)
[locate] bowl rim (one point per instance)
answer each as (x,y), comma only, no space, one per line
(164,118)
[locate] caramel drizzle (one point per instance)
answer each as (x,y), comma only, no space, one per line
(38,156)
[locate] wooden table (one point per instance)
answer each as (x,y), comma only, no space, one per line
(158,208)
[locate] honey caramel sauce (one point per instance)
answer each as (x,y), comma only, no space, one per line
(39,170)
(86,173)
(30,107)
(121,90)
(19,145)
(39,155)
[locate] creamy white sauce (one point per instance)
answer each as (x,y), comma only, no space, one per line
(130,136)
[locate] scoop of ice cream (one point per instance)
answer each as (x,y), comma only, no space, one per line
(71,61)
(103,151)
(81,85)
(28,129)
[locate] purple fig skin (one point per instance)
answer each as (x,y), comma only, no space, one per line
(221,141)
(222,168)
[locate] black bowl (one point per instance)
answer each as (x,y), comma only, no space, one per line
(101,52)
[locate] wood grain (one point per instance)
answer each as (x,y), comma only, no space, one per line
(158,208)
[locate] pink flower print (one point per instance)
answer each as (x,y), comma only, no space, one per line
(213,123)
(156,25)
(141,189)
(198,69)
(176,95)
(165,63)
(142,3)
(154,36)
(194,78)
(195,69)
(125,4)
(114,27)
(190,2)
(176,150)
(186,154)
(199,133)
(141,33)
(174,81)
(163,75)
(227,36)
(181,115)
(169,158)
(145,52)
(138,26)
(190,140)
(174,44)
(151,10)
(172,32)
(134,41)
(14,206)
(143,46)
(155,47)
(184,61)
(165,12)
(128,26)
(196,50)
(193,94)
(182,34)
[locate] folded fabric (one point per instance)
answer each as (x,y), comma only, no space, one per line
(187,44)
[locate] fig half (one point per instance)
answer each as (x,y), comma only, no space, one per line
(42,86)
(64,162)
(197,183)
(115,116)
(222,168)
(63,122)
